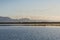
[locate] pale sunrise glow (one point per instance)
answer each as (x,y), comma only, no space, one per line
(56,18)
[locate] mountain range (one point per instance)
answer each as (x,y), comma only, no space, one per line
(8,19)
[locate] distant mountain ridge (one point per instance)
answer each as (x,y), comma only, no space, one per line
(8,19)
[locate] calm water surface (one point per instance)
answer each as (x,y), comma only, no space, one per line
(29,33)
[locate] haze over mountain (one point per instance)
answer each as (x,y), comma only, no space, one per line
(8,19)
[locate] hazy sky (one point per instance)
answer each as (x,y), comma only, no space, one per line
(44,8)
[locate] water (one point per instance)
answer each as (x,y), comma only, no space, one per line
(29,33)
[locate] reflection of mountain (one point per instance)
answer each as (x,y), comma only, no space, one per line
(7,19)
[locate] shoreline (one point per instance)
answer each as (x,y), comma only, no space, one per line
(29,24)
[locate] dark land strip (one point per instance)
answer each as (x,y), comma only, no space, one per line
(30,23)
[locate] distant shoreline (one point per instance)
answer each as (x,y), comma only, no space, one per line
(29,23)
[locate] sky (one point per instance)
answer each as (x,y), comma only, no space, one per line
(36,9)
